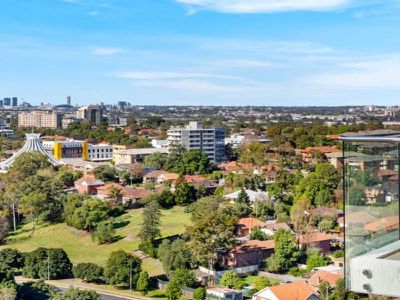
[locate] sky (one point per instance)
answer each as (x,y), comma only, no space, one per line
(201,52)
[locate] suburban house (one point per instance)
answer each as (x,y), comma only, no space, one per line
(250,253)
(245,225)
(223,293)
(330,278)
(158,177)
(325,212)
(319,240)
(88,185)
(308,153)
(290,291)
(253,195)
(271,227)
(198,181)
(129,195)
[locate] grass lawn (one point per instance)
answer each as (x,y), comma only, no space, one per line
(249,280)
(80,247)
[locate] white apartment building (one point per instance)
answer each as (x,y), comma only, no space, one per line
(100,152)
(40,119)
(194,136)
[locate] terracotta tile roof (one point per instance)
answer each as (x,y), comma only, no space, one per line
(136,193)
(233,166)
(194,178)
(89,181)
(387,223)
(291,291)
(325,212)
(322,275)
(386,172)
(250,223)
(314,237)
(277,226)
(254,245)
(169,176)
(323,149)
(155,174)
(105,189)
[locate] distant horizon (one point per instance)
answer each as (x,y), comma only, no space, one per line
(190,52)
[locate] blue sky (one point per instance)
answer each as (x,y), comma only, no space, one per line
(201,52)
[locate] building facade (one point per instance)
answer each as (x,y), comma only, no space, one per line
(91,113)
(372,219)
(132,156)
(211,141)
(40,119)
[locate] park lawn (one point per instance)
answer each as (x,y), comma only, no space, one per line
(81,248)
(249,280)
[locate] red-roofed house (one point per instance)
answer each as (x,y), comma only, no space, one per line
(250,253)
(319,240)
(290,291)
(321,275)
(245,225)
(308,153)
(88,185)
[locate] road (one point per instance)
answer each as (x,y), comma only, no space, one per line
(64,284)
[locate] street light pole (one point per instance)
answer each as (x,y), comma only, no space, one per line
(130,277)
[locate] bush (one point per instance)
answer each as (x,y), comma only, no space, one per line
(143,282)
(257,234)
(11,258)
(40,261)
(117,271)
(296,271)
(261,282)
(179,278)
(88,272)
(38,290)
(315,260)
(77,294)
(104,233)
(232,280)
(199,294)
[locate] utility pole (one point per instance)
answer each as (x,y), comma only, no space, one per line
(48,264)
(130,277)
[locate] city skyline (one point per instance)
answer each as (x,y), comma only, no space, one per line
(201,52)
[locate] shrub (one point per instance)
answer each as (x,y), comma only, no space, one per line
(199,294)
(11,258)
(143,282)
(88,272)
(117,271)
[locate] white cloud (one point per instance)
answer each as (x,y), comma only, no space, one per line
(266,6)
(367,73)
(93,13)
(138,75)
(239,63)
(107,51)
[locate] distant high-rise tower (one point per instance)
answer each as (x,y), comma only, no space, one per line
(14,101)
(7,101)
(69,100)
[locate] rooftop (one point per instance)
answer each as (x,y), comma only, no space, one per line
(375,135)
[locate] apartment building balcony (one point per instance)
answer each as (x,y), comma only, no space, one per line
(372,212)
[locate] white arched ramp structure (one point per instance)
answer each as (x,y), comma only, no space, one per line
(32,144)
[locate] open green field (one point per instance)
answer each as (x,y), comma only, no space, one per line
(80,247)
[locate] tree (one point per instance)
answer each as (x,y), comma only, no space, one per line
(174,255)
(212,227)
(199,294)
(104,233)
(327,224)
(286,252)
(88,272)
(299,216)
(44,263)
(243,197)
(357,196)
(28,163)
(253,153)
(261,282)
(115,195)
(106,173)
(119,267)
(315,259)
(150,229)
(165,199)
(77,294)
(37,290)
(33,205)
(232,280)
(179,278)
(143,282)
(184,193)
(340,290)
(156,160)
(4,228)
(323,290)
(257,234)
(89,215)
(11,258)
